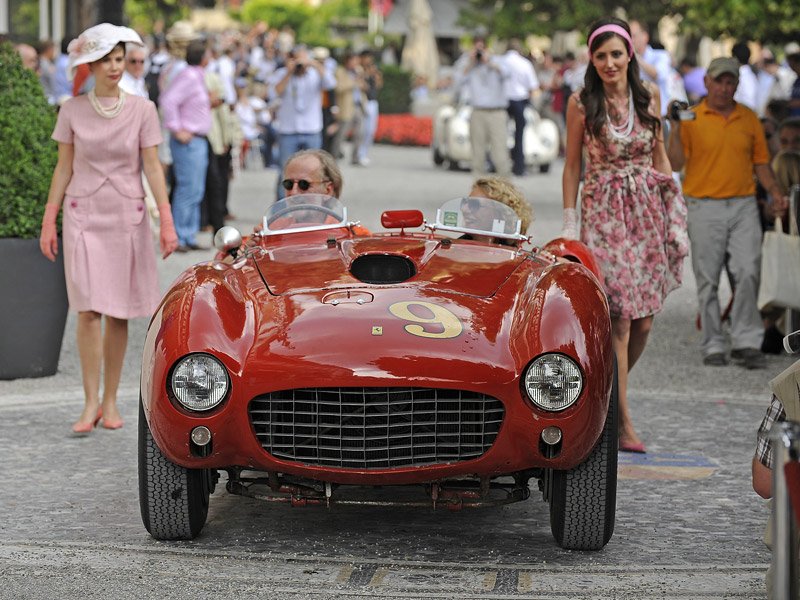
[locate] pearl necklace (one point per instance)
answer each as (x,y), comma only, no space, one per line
(621,132)
(110,112)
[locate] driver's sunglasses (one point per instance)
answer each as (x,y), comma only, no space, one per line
(303,184)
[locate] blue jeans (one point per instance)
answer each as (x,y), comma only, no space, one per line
(189,163)
(289,143)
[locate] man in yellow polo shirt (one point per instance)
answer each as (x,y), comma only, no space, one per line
(722,148)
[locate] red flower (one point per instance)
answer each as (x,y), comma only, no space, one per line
(404,130)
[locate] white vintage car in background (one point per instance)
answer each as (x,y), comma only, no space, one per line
(451,145)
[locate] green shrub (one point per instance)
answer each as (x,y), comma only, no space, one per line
(277,13)
(395,96)
(27,154)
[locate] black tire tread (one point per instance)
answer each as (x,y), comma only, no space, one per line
(583,499)
(173,499)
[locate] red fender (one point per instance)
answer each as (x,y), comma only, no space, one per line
(576,251)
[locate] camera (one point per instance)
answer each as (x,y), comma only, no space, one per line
(679,111)
(299,69)
(479,55)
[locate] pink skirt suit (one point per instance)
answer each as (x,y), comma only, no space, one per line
(109,253)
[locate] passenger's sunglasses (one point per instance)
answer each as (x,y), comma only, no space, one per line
(471,204)
(303,184)
(136,61)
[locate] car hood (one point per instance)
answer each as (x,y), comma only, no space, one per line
(457,266)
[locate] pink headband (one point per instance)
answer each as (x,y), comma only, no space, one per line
(611,28)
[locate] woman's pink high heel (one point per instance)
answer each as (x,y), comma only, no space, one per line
(85,428)
(112,424)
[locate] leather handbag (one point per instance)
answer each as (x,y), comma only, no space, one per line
(780,265)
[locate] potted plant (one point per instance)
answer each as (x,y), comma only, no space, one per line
(33,302)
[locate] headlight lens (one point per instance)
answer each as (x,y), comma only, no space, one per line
(553,382)
(199,382)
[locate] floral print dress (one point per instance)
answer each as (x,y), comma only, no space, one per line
(633,217)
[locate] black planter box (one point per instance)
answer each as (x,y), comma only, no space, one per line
(33,309)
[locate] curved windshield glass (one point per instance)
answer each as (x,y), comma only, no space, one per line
(304,212)
(479,216)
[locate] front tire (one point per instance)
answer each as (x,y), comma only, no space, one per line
(173,499)
(583,500)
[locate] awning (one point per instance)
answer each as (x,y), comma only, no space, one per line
(444,22)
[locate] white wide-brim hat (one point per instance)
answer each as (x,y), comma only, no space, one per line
(182,31)
(94,43)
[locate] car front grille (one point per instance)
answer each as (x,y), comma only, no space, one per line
(375,428)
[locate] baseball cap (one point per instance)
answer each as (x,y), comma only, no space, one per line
(722,65)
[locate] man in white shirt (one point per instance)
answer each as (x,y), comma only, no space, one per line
(480,76)
(747,92)
(132,81)
(520,88)
(655,65)
(299,86)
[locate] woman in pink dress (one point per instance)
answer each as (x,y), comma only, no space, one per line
(105,138)
(632,213)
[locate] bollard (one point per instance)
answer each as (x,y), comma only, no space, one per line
(785,437)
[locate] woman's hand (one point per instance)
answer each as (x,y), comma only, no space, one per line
(167,235)
(569,228)
(48,239)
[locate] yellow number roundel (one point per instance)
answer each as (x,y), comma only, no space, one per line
(448,325)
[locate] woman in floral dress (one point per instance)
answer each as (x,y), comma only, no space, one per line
(632,213)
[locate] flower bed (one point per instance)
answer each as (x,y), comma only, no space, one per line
(404,130)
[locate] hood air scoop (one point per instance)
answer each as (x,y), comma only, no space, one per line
(382,268)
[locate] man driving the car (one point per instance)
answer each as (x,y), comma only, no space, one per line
(312,172)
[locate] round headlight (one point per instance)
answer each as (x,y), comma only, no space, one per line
(199,382)
(553,382)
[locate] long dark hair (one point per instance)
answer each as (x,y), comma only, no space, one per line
(593,94)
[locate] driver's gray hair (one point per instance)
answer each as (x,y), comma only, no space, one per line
(329,169)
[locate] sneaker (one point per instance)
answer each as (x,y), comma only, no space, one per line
(749,358)
(716,359)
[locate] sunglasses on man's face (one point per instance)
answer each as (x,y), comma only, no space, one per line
(303,184)
(136,61)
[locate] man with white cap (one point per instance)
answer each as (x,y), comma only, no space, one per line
(721,148)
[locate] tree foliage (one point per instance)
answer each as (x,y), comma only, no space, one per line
(510,18)
(764,20)
(311,25)
(775,21)
(27,154)
(141,14)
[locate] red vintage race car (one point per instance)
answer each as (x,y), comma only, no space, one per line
(453,357)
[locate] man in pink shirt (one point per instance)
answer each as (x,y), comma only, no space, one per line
(186,110)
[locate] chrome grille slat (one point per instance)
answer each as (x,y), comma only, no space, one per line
(370,428)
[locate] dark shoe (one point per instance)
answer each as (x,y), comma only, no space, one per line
(749,358)
(716,359)
(196,247)
(773,341)
(182,248)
